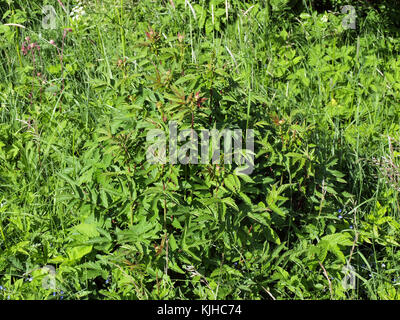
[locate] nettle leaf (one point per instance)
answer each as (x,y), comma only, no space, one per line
(259,218)
(78,252)
(201,14)
(209,26)
(143,231)
(67,179)
(339,175)
(172,242)
(226,269)
(176,224)
(105,197)
(245,198)
(93,270)
(230,202)
(331,243)
(174,266)
(280,274)
(186,249)
(86,229)
(232,183)
(273,197)
(276,209)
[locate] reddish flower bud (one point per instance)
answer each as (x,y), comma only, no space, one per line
(24,50)
(66,30)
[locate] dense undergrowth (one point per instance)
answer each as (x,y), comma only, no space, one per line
(79,198)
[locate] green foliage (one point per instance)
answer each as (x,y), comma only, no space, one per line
(78,194)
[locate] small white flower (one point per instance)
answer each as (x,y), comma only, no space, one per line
(77,12)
